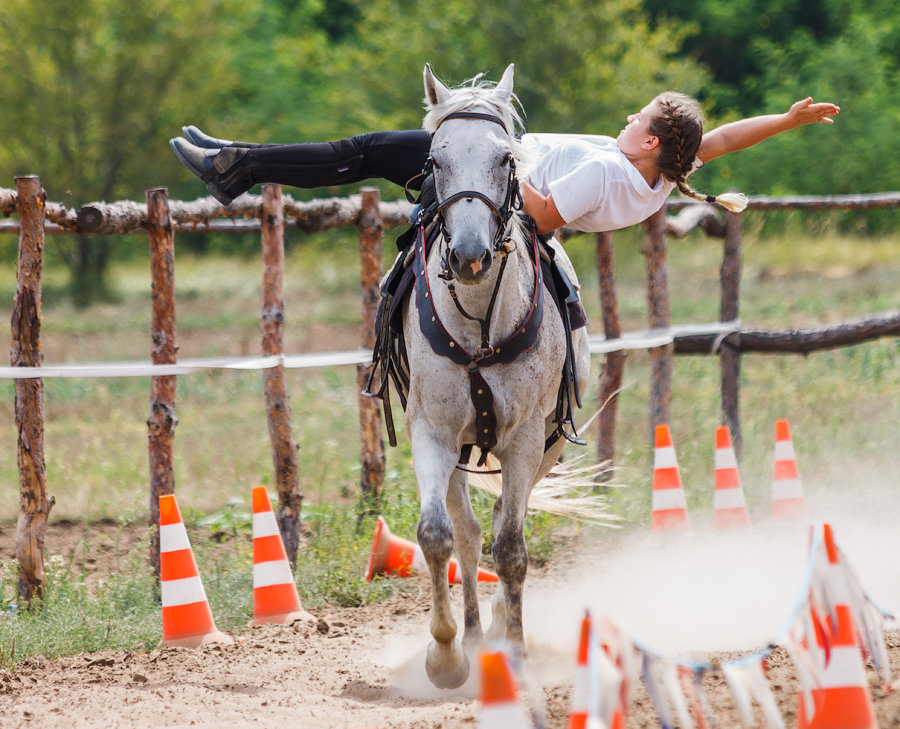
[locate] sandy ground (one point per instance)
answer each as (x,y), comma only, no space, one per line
(364,667)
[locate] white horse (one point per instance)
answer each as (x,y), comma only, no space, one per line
(475,303)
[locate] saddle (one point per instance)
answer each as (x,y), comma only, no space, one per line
(389,356)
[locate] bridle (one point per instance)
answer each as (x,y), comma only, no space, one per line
(503,213)
(501,243)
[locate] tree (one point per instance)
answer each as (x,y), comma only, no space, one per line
(93,91)
(580,67)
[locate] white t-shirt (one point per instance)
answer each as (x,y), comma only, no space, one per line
(594,186)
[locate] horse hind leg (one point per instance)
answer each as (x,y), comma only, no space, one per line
(509,550)
(497,629)
(467,541)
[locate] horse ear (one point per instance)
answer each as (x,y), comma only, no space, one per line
(435,91)
(505,87)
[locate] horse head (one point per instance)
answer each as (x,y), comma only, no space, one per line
(473,158)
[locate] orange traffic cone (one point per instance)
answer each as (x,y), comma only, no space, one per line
(186,617)
(842,700)
(669,507)
(275,597)
(729,508)
(500,707)
(787,489)
(597,686)
(392,555)
(581,684)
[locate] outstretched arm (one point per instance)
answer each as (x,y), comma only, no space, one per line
(745,133)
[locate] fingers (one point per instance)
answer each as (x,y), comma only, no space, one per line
(824,112)
(808,112)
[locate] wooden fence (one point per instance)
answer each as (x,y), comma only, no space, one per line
(271,214)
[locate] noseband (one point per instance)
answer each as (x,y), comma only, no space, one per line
(503,213)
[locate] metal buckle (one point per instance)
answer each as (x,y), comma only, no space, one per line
(484,352)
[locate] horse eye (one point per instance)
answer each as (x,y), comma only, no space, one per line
(508,158)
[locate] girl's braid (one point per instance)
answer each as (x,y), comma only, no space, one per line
(678,124)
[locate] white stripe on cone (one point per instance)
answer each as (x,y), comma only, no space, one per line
(844,668)
(787,489)
(728,499)
(725,458)
(276,572)
(264,525)
(664,457)
(784,450)
(185,591)
(173,537)
(668,499)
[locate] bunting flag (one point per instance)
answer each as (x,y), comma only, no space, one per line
(670,682)
(691,683)
(651,670)
(625,656)
(809,676)
(748,684)
(869,622)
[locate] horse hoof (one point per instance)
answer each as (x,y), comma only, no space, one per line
(447,665)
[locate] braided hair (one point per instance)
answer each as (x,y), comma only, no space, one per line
(678,124)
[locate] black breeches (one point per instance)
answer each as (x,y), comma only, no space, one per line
(397,156)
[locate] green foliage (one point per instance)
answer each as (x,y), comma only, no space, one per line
(580,67)
(99,87)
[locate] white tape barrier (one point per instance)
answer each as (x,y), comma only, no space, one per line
(597,345)
(187,366)
(660,337)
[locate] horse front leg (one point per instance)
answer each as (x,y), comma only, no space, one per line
(467,541)
(445,662)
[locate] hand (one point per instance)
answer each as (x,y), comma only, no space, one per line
(806,112)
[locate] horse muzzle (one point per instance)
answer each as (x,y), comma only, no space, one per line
(470,264)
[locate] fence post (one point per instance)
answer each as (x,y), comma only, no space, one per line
(161,421)
(370,228)
(34,503)
(660,318)
(729,355)
(614,364)
(278,409)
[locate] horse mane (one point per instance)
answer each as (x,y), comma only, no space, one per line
(476,94)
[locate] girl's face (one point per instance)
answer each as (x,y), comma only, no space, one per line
(635,138)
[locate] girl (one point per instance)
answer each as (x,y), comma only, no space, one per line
(589,183)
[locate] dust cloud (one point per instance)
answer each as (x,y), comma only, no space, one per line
(716,590)
(682,596)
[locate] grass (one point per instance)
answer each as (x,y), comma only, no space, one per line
(843,406)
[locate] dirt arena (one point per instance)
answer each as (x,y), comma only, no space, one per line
(364,667)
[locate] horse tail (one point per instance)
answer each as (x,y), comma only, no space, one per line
(568,490)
